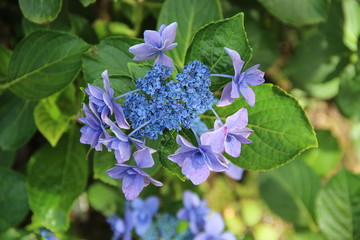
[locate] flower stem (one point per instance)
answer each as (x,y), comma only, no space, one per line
(125,94)
(217,116)
(221,75)
(138,128)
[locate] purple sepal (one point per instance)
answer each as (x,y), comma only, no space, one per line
(214,226)
(143,212)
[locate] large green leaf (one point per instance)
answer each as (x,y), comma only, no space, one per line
(86,3)
(290,192)
(281,129)
(44,63)
(104,198)
(4,61)
(103,161)
(298,12)
(13,198)
(351,10)
(40,11)
(111,54)
(338,207)
(16,120)
(208,45)
(190,16)
(56,177)
(7,158)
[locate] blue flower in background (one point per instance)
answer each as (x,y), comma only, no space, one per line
(143,212)
(134,179)
(93,131)
(239,84)
(117,225)
(156,43)
(194,211)
(104,100)
(214,227)
(196,162)
(47,235)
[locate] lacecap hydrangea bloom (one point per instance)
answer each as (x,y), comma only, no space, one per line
(162,103)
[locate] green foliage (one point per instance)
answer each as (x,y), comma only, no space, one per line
(103,161)
(40,11)
(281,129)
(190,16)
(86,3)
(56,177)
(338,207)
(104,198)
(16,120)
(13,199)
(7,158)
(208,45)
(5,55)
(34,73)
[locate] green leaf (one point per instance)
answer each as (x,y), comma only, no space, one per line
(13,199)
(49,117)
(44,63)
(338,207)
(5,55)
(281,129)
(190,16)
(111,54)
(56,177)
(298,12)
(103,161)
(326,157)
(208,45)
(351,10)
(86,3)
(16,121)
(39,11)
(7,158)
(139,70)
(104,198)
(290,192)
(120,84)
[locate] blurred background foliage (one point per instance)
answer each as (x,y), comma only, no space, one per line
(308,48)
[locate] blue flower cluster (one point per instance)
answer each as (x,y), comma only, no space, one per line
(169,104)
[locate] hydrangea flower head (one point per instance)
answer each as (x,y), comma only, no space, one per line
(143,212)
(194,211)
(93,131)
(239,84)
(196,162)
(134,179)
(214,227)
(104,101)
(155,44)
(236,133)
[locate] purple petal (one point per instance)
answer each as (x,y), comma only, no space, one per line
(168,46)
(169,33)
(152,204)
(216,162)
(234,171)
(180,156)
(195,171)
(215,139)
(203,236)
(248,94)
(253,76)
(184,143)
(108,102)
(116,130)
(214,224)
(132,185)
(235,91)
(242,135)
(232,146)
(142,52)
(117,172)
(163,59)
(143,158)
(123,152)
(95,91)
(236,59)
(108,89)
(161,28)
(190,199)
(226,98)
(153,38)
(120,116)
(238,120)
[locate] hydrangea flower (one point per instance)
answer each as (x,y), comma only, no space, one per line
(194,211)
(104,100)
(235,130)
(143,212)
(134,179)
(214,227)
(239,84)
(117,225)
(47,235)
(234,171)
(196,162)
(93,131)
(156,43)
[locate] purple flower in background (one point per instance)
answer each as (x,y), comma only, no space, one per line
(105,101)
(134,179)
(236,133)
(93,131)
(234,171)
(239,84)
(214,226)
(117,225)
(156,43)
(143,212)
(194,211)
(196,162)
(47,235)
